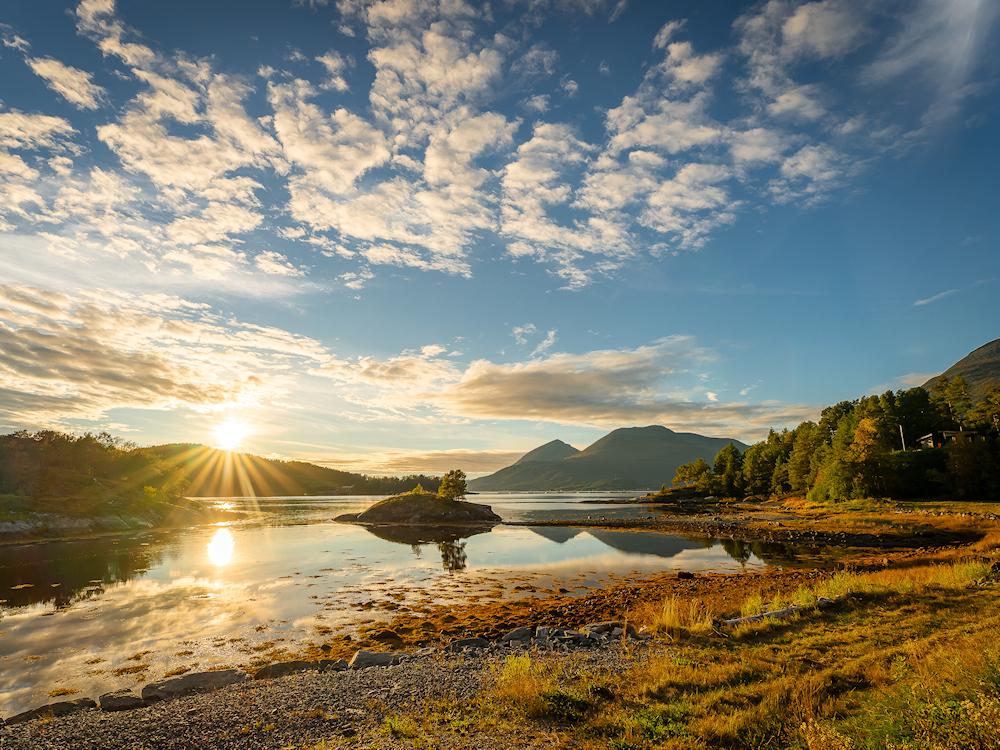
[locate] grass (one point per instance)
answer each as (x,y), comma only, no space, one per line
(907,659)
(400,727)
(676,616)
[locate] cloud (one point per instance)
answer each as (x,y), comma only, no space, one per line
(335,65)
(824,29)
(545,344)
(935,297)
(521,333)
(72,84)
(939,41)
(608,388)
(68,357)
(276,264)
(653,383)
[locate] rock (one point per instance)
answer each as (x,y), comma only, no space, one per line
(281,668)
(332,665)
(121,700)
(365,659)
(415,508)
(59,708)
(608,628)
(522,633)
(471,643)
(197,682)
(685,574)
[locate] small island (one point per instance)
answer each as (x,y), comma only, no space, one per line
(419,507)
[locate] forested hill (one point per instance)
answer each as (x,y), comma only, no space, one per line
(980,370)
(53,465)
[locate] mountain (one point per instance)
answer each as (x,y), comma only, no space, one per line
(554,450)
(630,458)
(980,368)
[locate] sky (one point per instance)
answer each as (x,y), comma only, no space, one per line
(408,235)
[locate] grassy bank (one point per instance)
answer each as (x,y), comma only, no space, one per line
(908,658)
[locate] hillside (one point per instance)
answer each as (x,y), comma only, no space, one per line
(980,369)
(94,471)
(630,458)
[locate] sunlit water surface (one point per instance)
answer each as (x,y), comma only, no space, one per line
(119,611)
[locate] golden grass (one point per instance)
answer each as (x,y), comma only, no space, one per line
(676,616)
(521,683)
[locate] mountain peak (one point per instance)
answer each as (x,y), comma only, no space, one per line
(980,368)
(554,450)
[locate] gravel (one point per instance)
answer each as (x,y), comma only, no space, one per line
(302,709)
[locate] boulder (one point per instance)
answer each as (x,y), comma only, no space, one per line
(332,665)
(189,684)
(522,633)
(685,574)
(48,711)
(281,668)
(365,659)
(121,700)
(609,628)
(471,643)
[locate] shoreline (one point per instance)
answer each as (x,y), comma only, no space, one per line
(621,599)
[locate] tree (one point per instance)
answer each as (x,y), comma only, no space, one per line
(986,414)
(953,394)
(729,471)
(453,485)
(808,437)
(697,473)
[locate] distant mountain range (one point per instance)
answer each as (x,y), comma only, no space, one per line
(630,458)
(980,369)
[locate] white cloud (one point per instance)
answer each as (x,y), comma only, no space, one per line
(939,40)
(521,333)
(809,174)
(545,344)
(78,357)
(798,101)
(537,103)
(276,264)
(72,84)
(332,150)
(823,29)
(335,65)
(935,297)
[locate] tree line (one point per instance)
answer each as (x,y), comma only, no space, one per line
(869,448)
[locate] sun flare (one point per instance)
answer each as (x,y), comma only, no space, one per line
(220,548)
(229,435)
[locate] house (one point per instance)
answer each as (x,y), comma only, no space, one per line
(941,438)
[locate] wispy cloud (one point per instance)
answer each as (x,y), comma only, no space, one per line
(935,297)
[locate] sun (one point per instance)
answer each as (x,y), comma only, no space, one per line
(229,435)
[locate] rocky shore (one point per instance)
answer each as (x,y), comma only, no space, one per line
(300,701)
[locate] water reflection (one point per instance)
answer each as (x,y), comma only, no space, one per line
(220,548)
(64,572)
(449,540)
(76,613)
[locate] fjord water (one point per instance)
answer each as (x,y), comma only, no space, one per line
(108,612)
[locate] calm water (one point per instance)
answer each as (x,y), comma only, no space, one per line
(73,613)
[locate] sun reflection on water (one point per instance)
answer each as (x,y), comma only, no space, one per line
(220,548)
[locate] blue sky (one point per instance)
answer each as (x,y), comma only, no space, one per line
(410,234)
